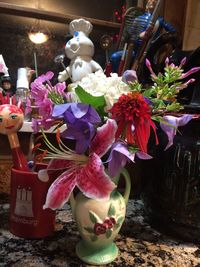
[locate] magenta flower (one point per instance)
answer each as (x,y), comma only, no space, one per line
(37,124)
(45,110)
(44,77)
(87,173)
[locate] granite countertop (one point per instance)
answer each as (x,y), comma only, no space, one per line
(138,243)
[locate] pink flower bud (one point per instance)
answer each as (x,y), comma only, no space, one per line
(148,64)
(167,61)
(193,70)
(183,61)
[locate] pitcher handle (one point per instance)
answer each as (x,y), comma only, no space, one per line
(127,179)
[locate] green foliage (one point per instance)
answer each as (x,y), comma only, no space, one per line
(98,102)
(111,211)
(93,217)
(93,238)
(163,92)
(108,233)
(89,230)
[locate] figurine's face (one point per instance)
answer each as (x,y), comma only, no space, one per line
(79,45)
(11,119)
(6,85)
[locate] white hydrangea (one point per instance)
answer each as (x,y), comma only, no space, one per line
(98,84)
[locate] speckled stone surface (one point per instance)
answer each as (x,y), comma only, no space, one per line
(138,243)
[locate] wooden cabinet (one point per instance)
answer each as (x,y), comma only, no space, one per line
(185,16)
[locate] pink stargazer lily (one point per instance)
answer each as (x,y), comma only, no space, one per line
(87,173)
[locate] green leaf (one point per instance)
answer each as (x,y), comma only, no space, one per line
(120,220)
(108,233)
(85,97)
(111,211)
(93,217)
(89,229)
(117,225)
(93,238)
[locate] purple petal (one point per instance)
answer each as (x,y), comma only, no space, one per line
(82,132)
(118,158)
(92,116)
(69,117)
(60,109)
(79,109)
(129,76)
(143,155)
(172,124)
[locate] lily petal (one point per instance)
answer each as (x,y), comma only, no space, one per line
(60,190)
(104,138)
(93,181)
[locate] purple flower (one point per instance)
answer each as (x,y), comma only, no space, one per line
(73,111)
(80,119)
(120,155)
(171,124)
(129,76)
(118,158)
(82,132)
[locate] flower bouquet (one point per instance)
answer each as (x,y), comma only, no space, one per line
(109,121)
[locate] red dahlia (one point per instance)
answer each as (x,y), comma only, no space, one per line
(133,116)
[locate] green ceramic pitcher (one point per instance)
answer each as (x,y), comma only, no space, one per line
(99,222)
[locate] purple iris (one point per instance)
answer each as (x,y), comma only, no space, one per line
(81,120)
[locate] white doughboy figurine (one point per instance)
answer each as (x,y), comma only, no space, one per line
(80,51)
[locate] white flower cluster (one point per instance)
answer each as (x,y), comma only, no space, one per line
(98,84)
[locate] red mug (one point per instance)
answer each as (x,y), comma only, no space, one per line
(28,219)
